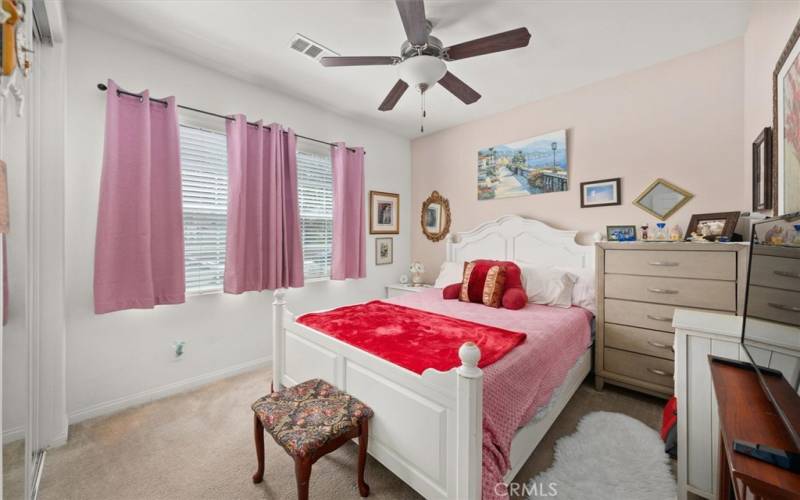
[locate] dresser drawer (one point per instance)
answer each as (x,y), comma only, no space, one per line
(674,263)
(630,338)
(638,366)
(774,305)
(706,294)
(641,314)
(776,272)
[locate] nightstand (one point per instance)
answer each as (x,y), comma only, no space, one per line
(396,289)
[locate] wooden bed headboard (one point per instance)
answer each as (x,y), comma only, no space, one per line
(526,241)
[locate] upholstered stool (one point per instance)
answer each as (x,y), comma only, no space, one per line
(309,421)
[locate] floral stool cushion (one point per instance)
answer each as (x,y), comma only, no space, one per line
(303,418)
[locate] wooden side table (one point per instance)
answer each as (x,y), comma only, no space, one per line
(746,414)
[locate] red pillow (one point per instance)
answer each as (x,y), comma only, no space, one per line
(477,280)
(451,292)
(515,298)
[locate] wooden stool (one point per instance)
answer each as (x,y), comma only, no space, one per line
(309,421)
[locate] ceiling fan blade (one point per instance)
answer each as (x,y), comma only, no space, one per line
(412,12)
(499,42)
(459,88)
(359,61)
(394,95)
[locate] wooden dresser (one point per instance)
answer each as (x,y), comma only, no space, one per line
(639,287)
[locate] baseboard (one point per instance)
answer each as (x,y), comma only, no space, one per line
(13,434)
(115,405)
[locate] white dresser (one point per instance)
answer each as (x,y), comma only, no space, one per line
(639,287)
(698,334)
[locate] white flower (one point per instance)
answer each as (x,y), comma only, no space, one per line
(416,267)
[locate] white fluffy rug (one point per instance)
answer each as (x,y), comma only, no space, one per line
(610,456)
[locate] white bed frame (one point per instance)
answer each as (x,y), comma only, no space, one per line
(427,428)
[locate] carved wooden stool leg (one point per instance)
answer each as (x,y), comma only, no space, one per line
(302,472)
(258,434)
(363,440)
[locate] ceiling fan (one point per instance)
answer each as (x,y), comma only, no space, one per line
(421,63)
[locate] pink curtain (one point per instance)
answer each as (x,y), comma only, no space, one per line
(138,261)
(263,242)
(349,253)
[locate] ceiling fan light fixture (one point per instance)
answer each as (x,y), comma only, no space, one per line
(421,72)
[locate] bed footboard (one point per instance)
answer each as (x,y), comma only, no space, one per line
(427,428)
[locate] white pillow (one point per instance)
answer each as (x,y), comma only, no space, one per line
(449,273)
(548,285)
(583,294)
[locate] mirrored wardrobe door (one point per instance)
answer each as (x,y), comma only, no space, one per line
(15,333)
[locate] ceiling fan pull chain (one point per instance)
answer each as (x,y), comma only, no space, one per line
(422,118)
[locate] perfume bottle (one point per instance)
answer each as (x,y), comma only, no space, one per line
(675,234)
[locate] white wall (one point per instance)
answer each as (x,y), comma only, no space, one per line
(125,357)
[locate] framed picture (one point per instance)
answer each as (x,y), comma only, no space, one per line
(530,166)
(786,127)
(762,171)
(384,213)
(713,226)
(384,251)
(621,233)
(435,217)
(600,193)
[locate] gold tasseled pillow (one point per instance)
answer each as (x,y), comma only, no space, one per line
(494,286)
(468,268)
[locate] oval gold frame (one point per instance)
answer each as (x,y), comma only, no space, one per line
(435,197)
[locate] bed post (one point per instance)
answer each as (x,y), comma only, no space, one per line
(278,338)
(469,424)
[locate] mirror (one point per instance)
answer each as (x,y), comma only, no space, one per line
(662,199)
(435,217)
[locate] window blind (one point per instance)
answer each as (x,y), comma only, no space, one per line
(315,197)
(204,180)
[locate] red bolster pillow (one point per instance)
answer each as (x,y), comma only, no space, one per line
(451,292)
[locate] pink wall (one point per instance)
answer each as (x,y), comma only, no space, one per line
(768,30)
(681,120)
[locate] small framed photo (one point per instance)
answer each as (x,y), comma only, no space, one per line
(712,227)
(621,233)
(384,251)
(384,213)
(601,193)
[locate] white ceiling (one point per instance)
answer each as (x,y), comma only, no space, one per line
(574,43)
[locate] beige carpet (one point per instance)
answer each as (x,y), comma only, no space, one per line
(199,445)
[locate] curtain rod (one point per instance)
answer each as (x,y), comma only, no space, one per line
(103,87)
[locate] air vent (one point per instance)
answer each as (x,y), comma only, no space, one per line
(310,48)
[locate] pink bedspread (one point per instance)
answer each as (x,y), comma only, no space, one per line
(524,380)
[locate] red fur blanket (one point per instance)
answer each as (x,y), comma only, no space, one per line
(414,339)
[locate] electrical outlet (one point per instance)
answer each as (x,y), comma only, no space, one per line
(179,346)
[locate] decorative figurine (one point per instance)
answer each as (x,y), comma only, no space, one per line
(698,238)
(661,232)
(644,231)
(676,233)
(774,236)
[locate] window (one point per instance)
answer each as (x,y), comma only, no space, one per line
(204,180)
(315,197)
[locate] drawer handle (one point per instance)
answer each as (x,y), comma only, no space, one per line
(658,318)
(659,345)
(659,372)
(787,274)
(783,307)
(662,290)
(664,263)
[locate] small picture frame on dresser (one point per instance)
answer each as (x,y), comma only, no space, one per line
(621,233)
